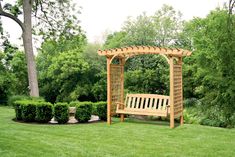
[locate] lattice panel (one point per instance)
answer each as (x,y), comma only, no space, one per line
(178,95)
(116,86)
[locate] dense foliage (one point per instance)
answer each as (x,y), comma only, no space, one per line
(13,71)
(68,71)
(214,66)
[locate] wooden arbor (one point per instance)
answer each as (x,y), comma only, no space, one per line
(115,77)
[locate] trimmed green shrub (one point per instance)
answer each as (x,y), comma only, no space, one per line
(18,112)
(28,110)
(44,112)
(61,112)
(83,111)
(74,103)
(101,110)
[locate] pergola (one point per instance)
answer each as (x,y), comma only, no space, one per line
(115,77)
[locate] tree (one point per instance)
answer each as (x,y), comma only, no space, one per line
(139,31)
(26,27)
(213,59)
(51,55)
(52,19)
(167,26)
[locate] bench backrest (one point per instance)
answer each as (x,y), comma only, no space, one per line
(147,101)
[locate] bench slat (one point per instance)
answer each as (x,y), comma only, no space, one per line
(146,103)
(159,104)
(138,101)
(151,103)
(164,104)
(129,102)
(142,103)
(133,102)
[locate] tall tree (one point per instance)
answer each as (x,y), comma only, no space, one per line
(53,19)
(26,27)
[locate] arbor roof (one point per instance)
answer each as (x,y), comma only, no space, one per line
(139,50)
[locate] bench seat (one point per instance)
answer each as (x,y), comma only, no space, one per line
(145,104)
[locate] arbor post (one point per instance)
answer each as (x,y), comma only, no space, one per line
(122,63)
(109,96)
(172,118)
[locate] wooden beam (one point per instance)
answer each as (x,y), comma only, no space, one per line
(172,118)
(122,62)
(138,50)
(182,109)
(167,59)
(109,94)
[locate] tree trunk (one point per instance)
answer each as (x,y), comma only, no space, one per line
(28,48)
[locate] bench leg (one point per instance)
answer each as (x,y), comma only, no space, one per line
(172,122)
(109,120)
(122,117)
(181,120)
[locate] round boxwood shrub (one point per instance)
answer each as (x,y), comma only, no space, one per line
(28,110)
(101,110)
(61,112)
(83,111)
(44,112)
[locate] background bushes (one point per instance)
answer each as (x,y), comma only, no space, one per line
(14,98)
(61,112)
(83,111)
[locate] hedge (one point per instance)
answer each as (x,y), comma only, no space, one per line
(44,112)
(83,111)
(101,110)
(74,103)
(28,110)
(18,111)
(61,112)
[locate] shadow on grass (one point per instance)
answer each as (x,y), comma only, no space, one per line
(144,121)
(37,123)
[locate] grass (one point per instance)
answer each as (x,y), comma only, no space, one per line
(131,138)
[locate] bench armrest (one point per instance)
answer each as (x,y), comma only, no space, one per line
(120,105)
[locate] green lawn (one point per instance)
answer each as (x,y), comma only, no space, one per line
(120,139)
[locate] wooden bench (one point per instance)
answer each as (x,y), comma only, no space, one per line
(145,104)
